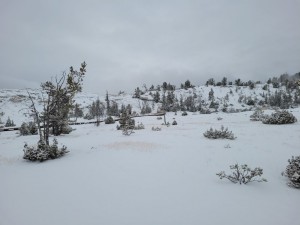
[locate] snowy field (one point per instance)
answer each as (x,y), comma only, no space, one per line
(163,177)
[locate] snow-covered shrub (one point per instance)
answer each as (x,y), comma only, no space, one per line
(66,129)
(126,123)
(219,118)
(139,126)
(166,124)
(24,130)
(292,172)
(9,123)
(258,115)
(219,134)
(43,152)
(174,122)
(204,111)
(88,117)
(109,120)
(156,129)
(28,129)
(280,117)
(184,113)
(242,174)
(159,118)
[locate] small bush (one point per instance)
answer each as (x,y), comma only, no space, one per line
(204,111)
(219,134)
(292,172)
(242,174)
(139,126)
(174,122)
(66,129)
(28,129)
(43,152)
(258,115)
(184,113)
(109,120)
(156,129)
(280,117)
(88,117)
(159,118)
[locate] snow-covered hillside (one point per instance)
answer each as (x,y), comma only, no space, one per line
(16,103)
(165,177)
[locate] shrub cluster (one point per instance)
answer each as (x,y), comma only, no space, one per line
(219,134)
(43,152)
(109,120)
(280,117)
(242,174)
(156,129)
(292,172)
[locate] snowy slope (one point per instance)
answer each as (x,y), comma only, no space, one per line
(163,178)
(15,103)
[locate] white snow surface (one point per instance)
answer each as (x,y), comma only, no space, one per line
(163,177)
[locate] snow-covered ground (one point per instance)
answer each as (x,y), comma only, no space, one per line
(163,177)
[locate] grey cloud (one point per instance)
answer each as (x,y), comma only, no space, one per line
(128,43)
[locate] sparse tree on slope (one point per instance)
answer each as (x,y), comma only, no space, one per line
(57,104)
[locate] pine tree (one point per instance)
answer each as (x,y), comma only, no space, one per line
(57,105)
(211,95)
(156,97)
(224,81)
(9,123)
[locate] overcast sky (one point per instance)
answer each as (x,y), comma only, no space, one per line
(127,43)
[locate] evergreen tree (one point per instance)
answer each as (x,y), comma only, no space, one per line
(156,97)
(187,84)
(211,95)
(113,110)
(9,123)
(78,112)
(238,82)
(107,102)
(224,81)
(210,81)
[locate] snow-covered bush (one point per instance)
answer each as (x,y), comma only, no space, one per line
(242,174)
(258,115)
(219,134)
(43,152)
(156,129)
(204,111)
(109,120)
(280,117)
(28,129)
(139,126)
(66,129)
(88,117)
(126,124)
(184,113)
(174,122)
(159,118)
(292,172)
